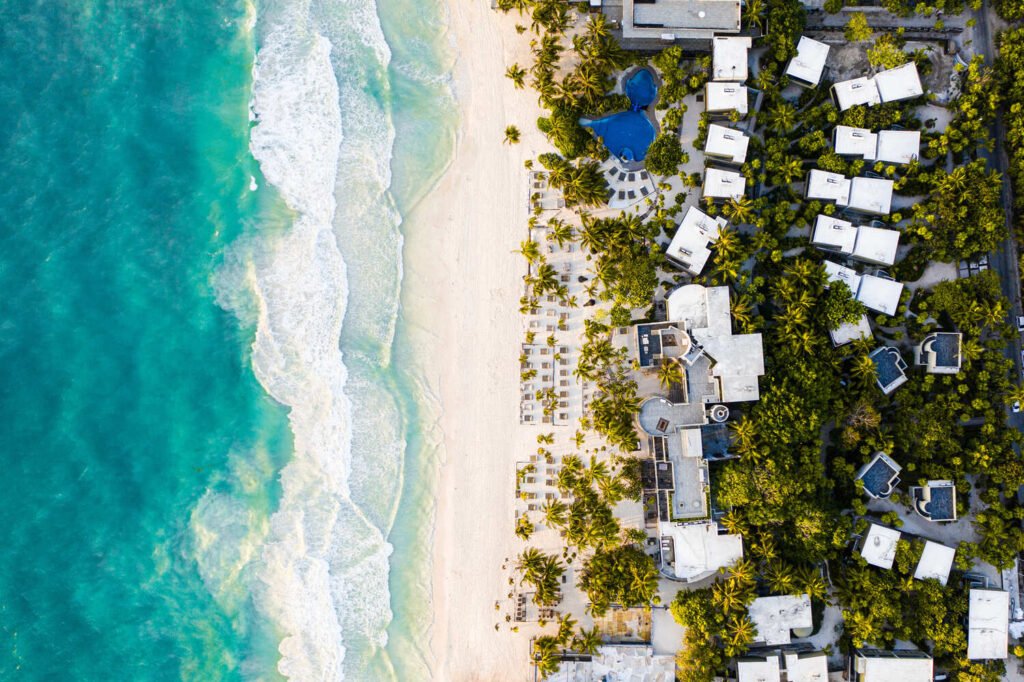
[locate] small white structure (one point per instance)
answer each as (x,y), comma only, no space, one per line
(848,332)
(849,141)
(776,617)
(988,620)
(827,186)
(876,245)
(856,91)
(879,548)
(689,246)
(935,563)
(834,234)
(726,144)
(721,98)
(809,63)
(729,58)
(880,294)
(834,272)
(701,549)
(806,666)
(898,146)
(871,195)
(758,668)
(905,665)
(634,662)
(723,184)
(900,83)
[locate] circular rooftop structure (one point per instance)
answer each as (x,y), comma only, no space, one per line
(656,416)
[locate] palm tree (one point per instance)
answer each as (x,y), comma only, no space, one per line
(517,74)
(740,211)
(511,135)
(728,596)
(524,528)
(566,625)
(530,250)
(546,438)
(782,119)
(561,232)
(739,633)
(745,432)
(555,513)
(744,572)
(669,373)
(864,370)
(809,580)
(779,577)
(587,641)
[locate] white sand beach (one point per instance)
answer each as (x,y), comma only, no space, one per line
(464,281)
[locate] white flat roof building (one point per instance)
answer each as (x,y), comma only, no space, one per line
(668,20)
(758,668)
(907,665)
(689,246)
(727,144)
(988,620)
(871,195)
(729,58)
(850,141)
(834,234)
(876,245)
(633,662)
(879,548)
(898,146)
(935,563)
(880,294)
(834,272)
(809,63)
(827,187)
(900,83)
(856,91)
(806,667)
(720,97)
(723,184)
(775,618)
(700,549)
(848,332)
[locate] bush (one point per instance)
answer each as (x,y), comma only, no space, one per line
(664,155)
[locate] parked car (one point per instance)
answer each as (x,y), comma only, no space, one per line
(1016,406)
(1020,323)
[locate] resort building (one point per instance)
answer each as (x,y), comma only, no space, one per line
(859,142)
(876,293)
(695,551)
(870,195)
(936,562)
(670,20)
(834,234)
(634,662)
(689,247)
(726,145)
(899,84)
(729,58)
(890,368)
(809,63)
(722,98)
(879,546)
(806,666)
(876,245)
(723,184)
(935,501)
(903,665)
(826,186)
(676,445)
(988,620)
(776,617)
(759,668)
(898,146)
(939,353)
(880,476)
(848,332)
(857,91)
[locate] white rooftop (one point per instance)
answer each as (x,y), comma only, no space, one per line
(880,546)
(719,96)
(899,146)
(828,186)
(723,184)
(880,294)
(809,61)
(807,667)
(900,83)
(855,142)
(987,624)
(689,246)
(856,91)
(834,272)
(726,143)
(834,233)
(700,550)
(876,245)
(851,331)
(729,58)
(936,562)
(871,195)
(775,617)
(759,669)
(629,663)
(891,666)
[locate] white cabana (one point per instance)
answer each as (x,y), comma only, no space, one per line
(809,63)
(898,146)
(871,195)
(935,563)
(723,184)
(900,83)
(726,144)
(876,245)
(827,187)
(834,234)
(849,141)
(855,91)
(721,98)
(988,620)
(729,58)
(879,548)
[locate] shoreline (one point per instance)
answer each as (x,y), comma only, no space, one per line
(462,279)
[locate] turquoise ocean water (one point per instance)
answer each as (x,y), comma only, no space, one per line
(214,454)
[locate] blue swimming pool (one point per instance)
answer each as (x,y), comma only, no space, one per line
(628,134)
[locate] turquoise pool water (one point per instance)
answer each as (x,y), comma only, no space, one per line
(628,134)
